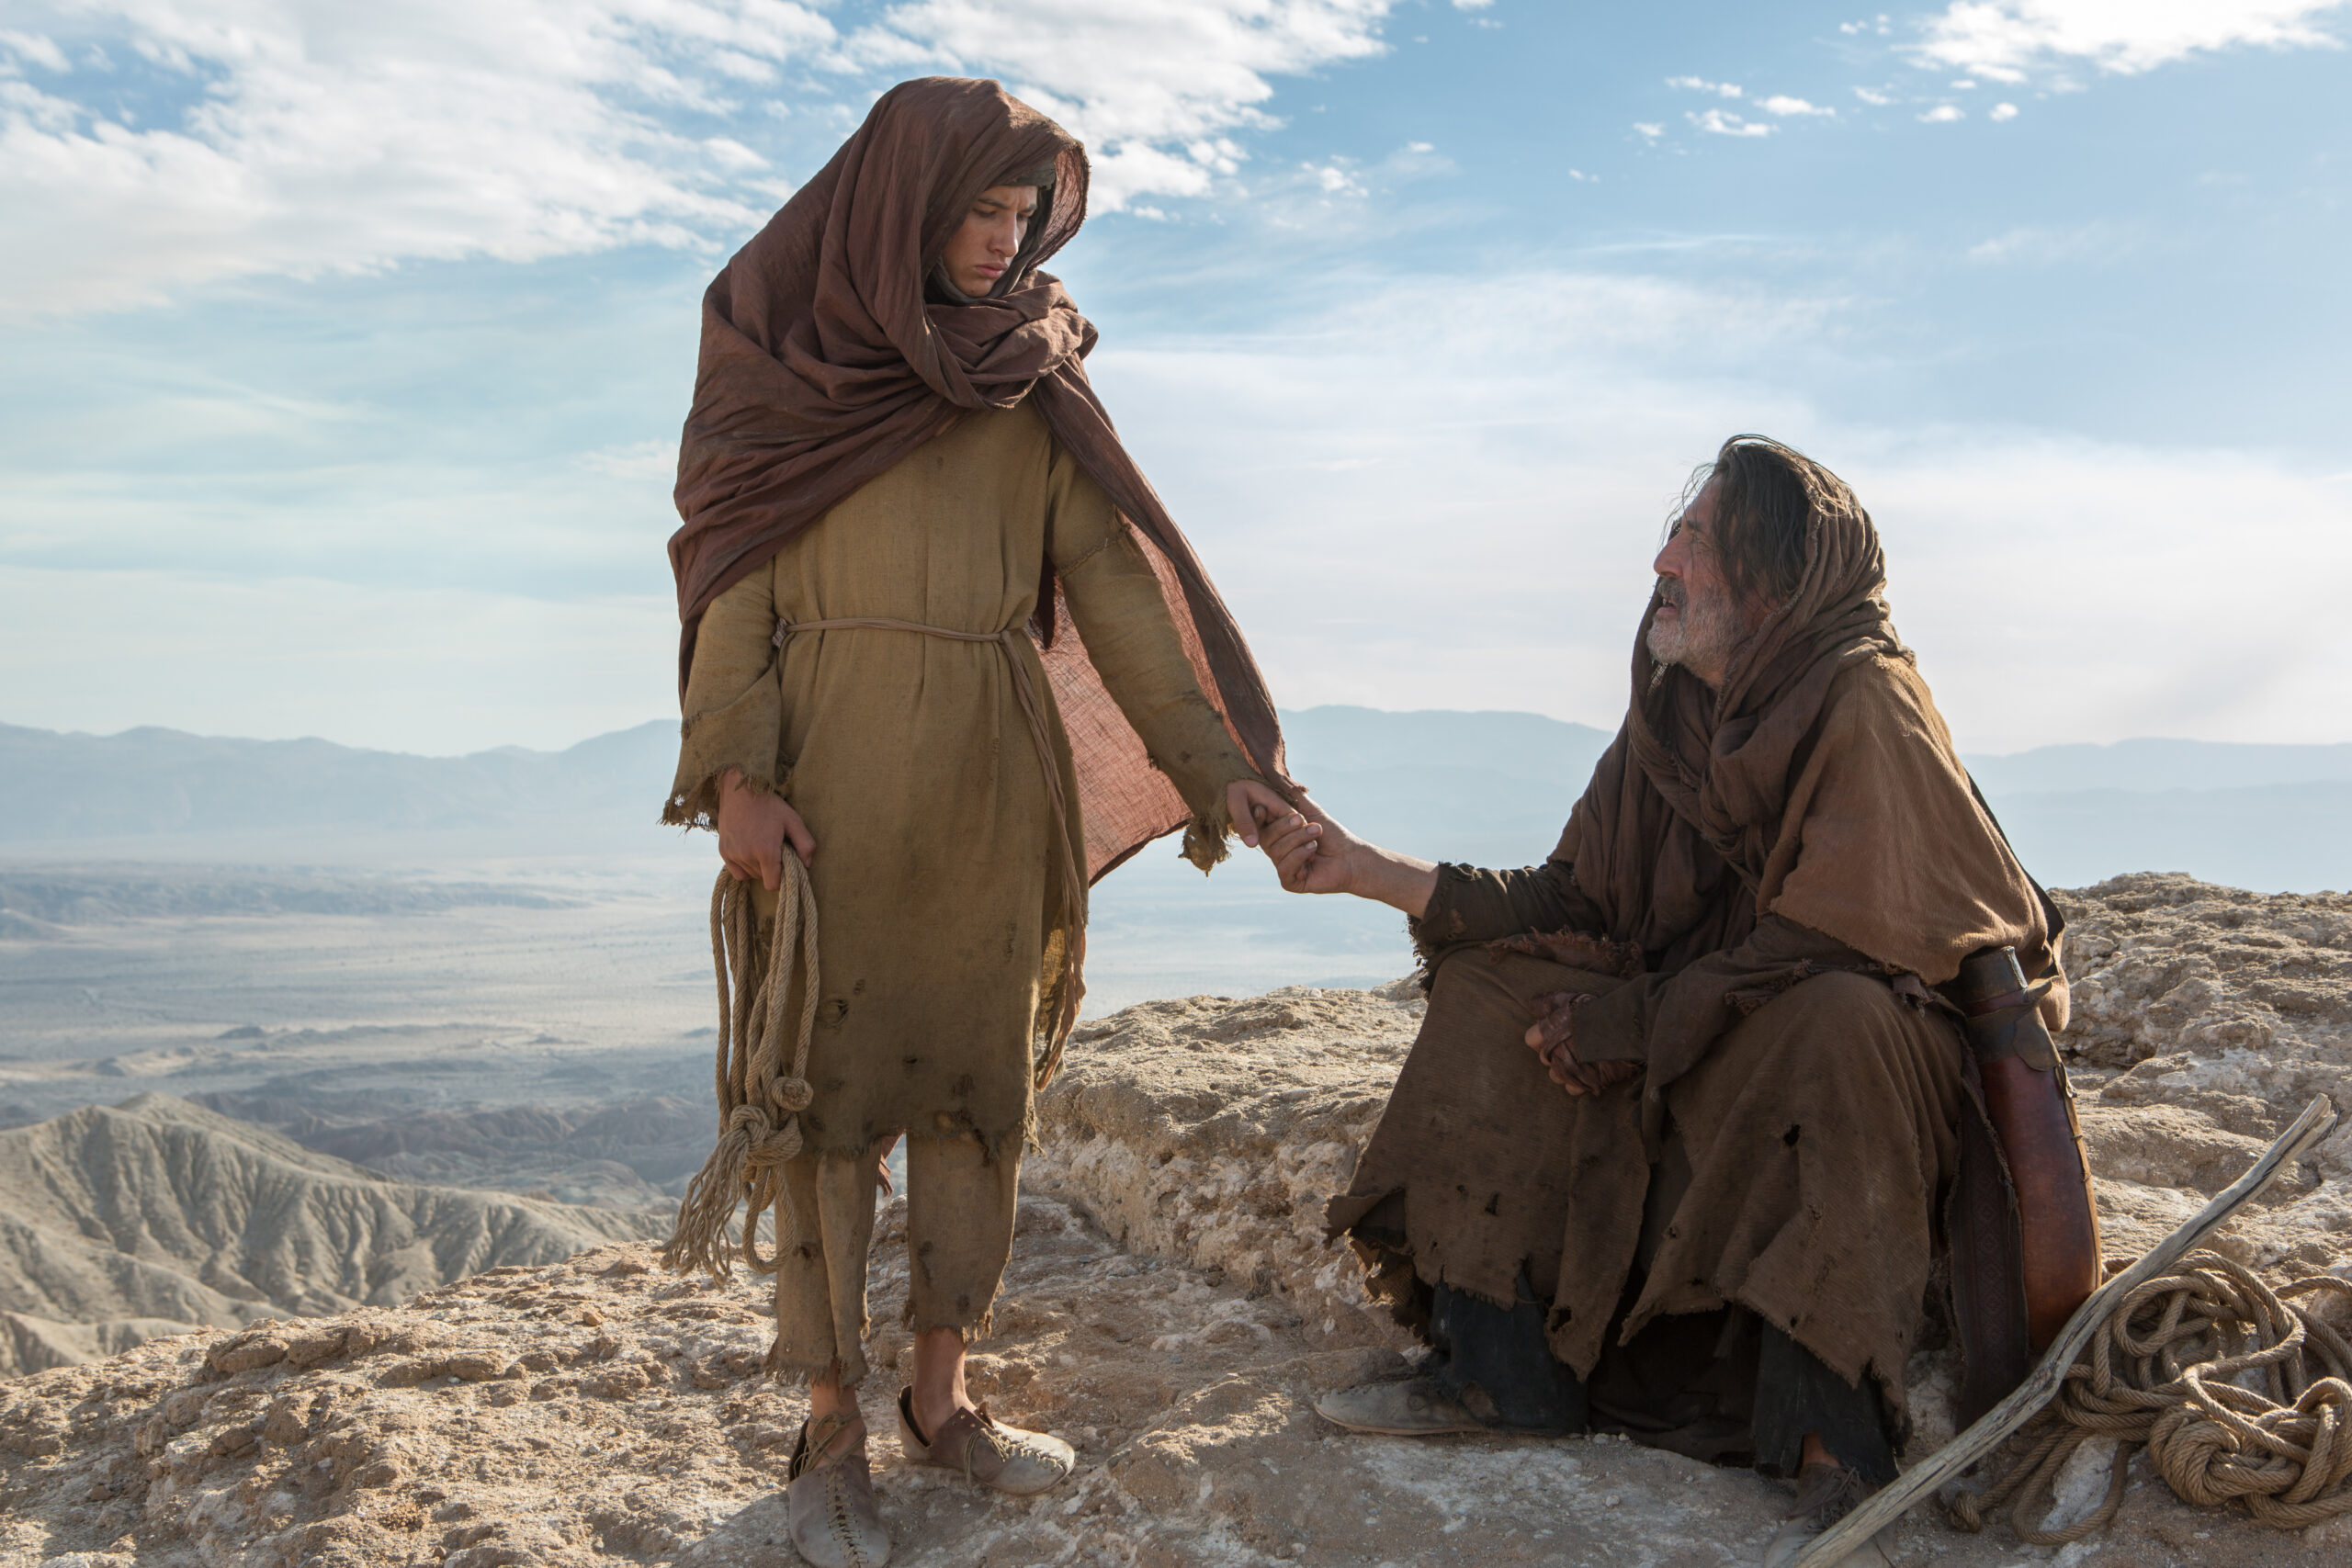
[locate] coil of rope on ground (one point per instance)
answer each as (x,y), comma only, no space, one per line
(2237,1390)
(760,1097)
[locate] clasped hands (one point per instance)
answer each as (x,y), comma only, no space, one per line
(1313,853)
(1553,1039)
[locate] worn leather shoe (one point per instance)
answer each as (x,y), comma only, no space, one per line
(989,1453)
(1400,1407)
(1826,1493)
(828,1507)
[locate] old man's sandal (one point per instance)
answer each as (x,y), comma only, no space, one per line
(989,1453)
(829,1508)
(1415,1407)
(1826,1492)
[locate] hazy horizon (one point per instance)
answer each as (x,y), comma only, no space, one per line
(560,746)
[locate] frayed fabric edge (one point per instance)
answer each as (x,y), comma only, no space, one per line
(1207,838)
(698,807)
(798,1377)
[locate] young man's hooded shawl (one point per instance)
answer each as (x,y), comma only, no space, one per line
(827,358)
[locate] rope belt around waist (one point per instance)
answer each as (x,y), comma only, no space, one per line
(759,1098)
(1040,734)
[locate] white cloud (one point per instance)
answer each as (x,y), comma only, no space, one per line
(637,460)
(1943,114)
(1872,96)
(2034,246)
(2006,39)
(2138,626)
(1575,404)
(2003,111)
(313,136)
(1157,88)
(38,48)
(1717,122)
(1558,416)
(1721,122)
(303,137)
(1334,178)
(1649,128)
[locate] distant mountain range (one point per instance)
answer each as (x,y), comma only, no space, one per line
(64,787)
(1486,787)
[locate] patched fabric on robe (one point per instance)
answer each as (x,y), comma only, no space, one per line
(1797,1174)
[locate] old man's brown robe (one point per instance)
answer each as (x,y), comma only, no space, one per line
(1792,863)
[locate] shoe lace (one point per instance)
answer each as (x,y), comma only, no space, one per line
(987,1432)
(816,1437)
(837,1518)
(1003,1441)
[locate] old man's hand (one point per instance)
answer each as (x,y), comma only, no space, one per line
(1311,852)
(1553,1039)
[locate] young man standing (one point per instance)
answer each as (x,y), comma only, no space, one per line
(946,650)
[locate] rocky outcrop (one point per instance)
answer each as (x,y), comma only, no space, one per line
(1210,1132)
(157,1216)
(2205,1018)
(1170,1308)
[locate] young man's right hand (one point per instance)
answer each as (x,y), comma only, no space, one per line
(753,828)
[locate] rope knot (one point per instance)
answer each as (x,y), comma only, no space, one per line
(759,1098)
(2236,1389)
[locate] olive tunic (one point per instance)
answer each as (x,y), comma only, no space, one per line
(910,759)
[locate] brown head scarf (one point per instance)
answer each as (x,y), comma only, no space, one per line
(824,363)
(1700,809)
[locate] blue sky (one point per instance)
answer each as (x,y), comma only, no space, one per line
(343,349)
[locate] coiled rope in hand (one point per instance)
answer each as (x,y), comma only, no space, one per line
(2236,1390)
(759,1098)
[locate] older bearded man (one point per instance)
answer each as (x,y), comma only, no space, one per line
(1720,1238)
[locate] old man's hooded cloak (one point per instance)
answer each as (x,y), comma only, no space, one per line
(1784,868)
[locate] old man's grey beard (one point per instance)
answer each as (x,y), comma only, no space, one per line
(1701,636)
